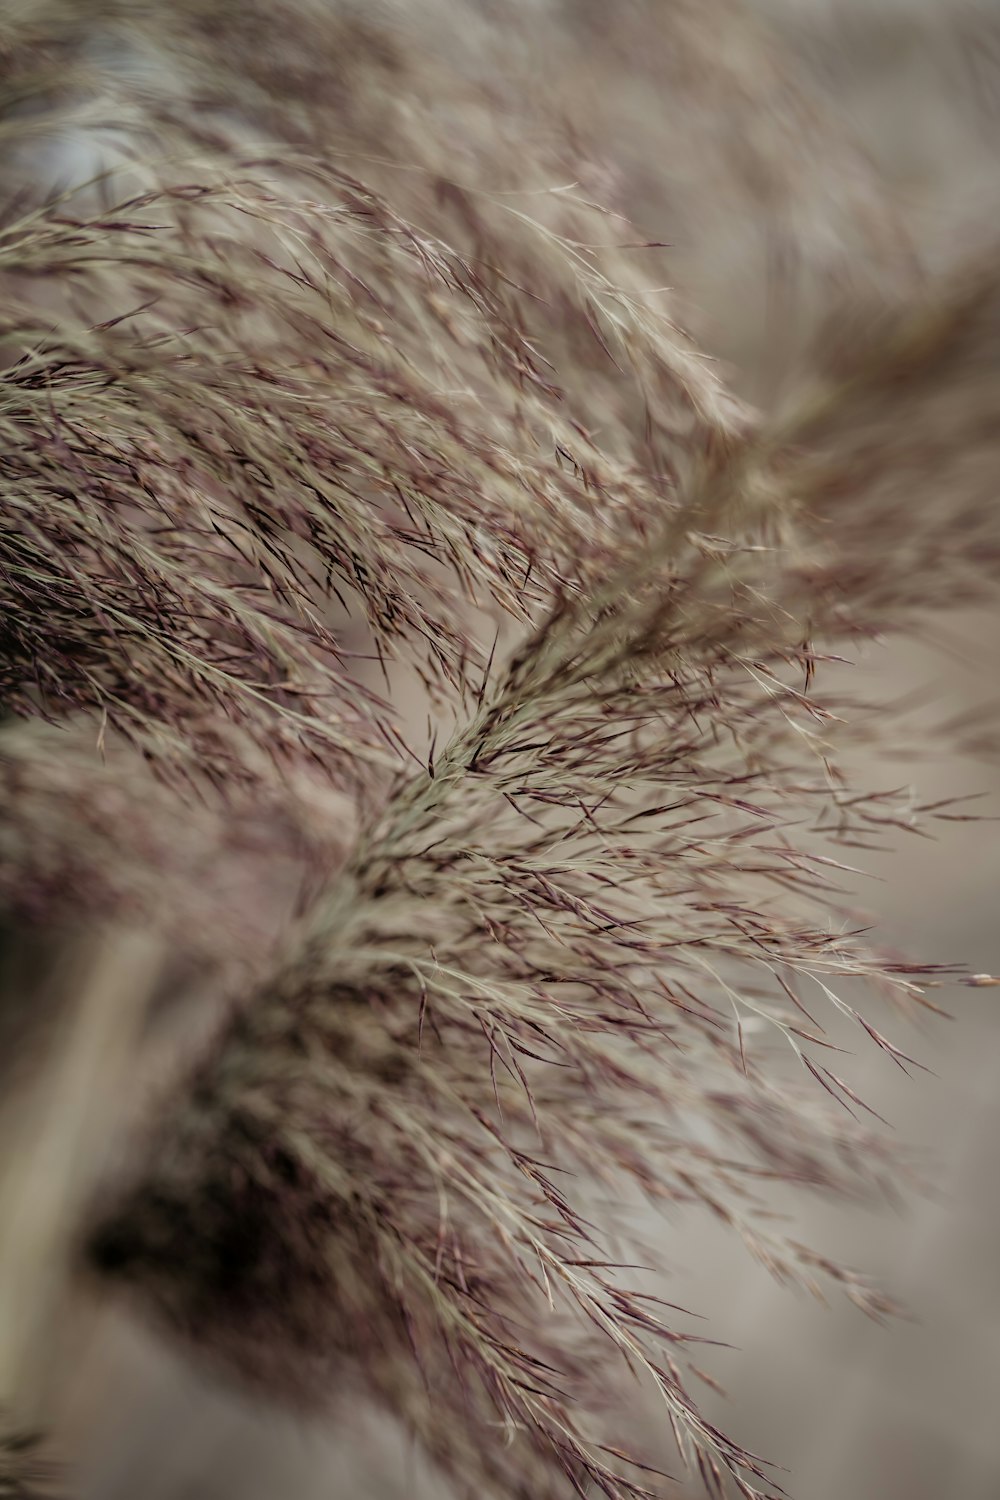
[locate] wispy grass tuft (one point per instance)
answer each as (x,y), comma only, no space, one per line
(22,1475)
(304,443)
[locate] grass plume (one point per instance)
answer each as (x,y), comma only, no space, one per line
(295,435)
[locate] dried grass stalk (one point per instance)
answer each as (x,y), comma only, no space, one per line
(275,414)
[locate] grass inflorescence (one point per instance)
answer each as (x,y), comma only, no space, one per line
(304,441)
